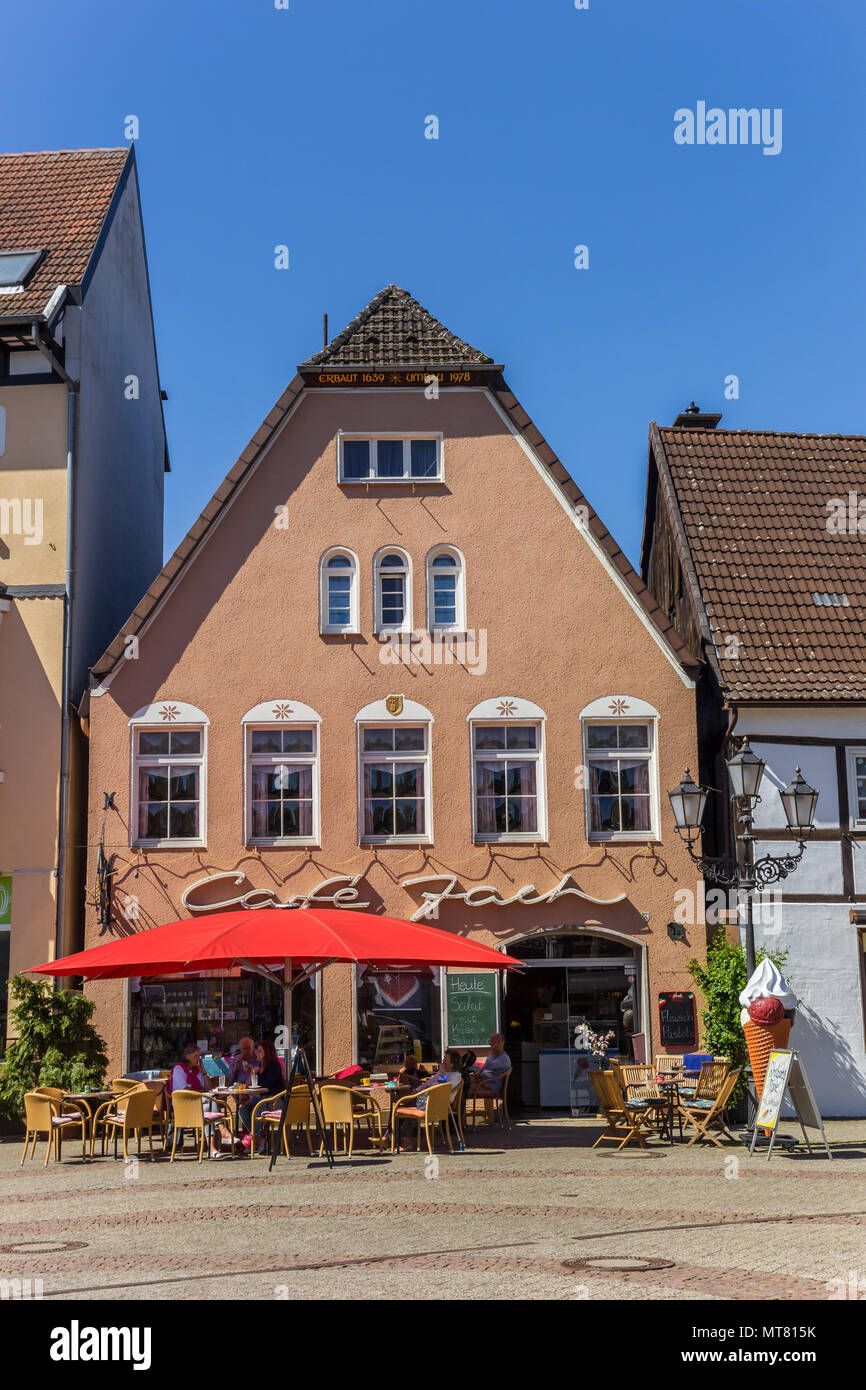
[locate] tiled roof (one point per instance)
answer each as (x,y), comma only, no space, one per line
(55,201)
(395,330)
(784,592)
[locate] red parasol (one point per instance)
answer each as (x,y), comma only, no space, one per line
(268,936)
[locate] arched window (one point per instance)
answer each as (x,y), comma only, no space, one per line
(338,592)
(446,590)
(392,584)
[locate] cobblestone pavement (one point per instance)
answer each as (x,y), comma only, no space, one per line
(498,1221)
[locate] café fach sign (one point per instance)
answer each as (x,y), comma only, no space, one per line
(343,891)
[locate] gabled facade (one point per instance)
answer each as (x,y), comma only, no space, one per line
(756,550)
(399,664)
(82,461)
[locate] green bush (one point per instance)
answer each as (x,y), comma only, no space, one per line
(721,980)
(56,1044)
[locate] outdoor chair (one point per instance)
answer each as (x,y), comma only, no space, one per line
(642,1097)
(433,1114)
(269,1111)
(42,1115)
(494,1104)
(622,1125)
(131,1113)
(708,1082)
(190,1113)
(123,1083)
(666,1061)
(709,1113)
(339,1110)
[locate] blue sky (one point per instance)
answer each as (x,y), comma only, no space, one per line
(260,127)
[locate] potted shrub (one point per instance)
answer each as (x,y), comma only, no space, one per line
(56,1044)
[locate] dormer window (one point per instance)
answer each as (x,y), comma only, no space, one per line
(16,267)
(389,458)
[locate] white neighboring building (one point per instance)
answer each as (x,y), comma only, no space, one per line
(751,545)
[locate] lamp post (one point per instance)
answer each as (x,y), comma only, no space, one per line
(745,771)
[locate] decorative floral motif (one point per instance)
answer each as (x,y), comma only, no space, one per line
(506,707)
(169,713)
(619,706)
(283,711)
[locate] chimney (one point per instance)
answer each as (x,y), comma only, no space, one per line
(693,418)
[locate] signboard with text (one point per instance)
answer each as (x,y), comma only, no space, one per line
(472,1007)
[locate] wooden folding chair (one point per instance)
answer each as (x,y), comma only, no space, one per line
(702,1114)
(622,1125)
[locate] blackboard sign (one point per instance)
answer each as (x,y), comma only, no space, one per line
(472,1007)
(678,1024)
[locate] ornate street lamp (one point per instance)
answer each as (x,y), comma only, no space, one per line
(745,771)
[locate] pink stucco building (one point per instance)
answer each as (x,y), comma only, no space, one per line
(399,662)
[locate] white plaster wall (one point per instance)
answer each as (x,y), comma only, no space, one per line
(818,766)
(819,871)
(823,970)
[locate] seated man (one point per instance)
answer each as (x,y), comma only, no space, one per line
(490,1075)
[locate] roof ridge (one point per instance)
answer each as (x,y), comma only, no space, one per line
(93,149)
(678,430)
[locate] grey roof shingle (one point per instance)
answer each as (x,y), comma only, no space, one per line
(395,330)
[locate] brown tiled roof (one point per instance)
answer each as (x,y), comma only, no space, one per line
(55,201)
(510,406)
(395,330)
(790,592)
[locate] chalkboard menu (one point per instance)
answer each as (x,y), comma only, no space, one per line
(472,1007)
(678,1026)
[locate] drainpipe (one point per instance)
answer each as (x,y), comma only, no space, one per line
(64,830)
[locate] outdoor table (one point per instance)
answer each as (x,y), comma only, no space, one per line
(670,1086)
(385,1096)
(83,1100)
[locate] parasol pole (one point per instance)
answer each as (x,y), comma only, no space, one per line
(287,1014)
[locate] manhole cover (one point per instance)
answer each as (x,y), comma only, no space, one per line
(42,1247)
(624,1264)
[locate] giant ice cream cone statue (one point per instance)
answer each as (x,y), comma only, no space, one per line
(767,1016)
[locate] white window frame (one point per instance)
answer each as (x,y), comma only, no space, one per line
(354,624)
(379,623)
(410,756)
(537,755)
(137,761)
(855,822)
(649,756)
(407,437)
(460,590)
(251,760)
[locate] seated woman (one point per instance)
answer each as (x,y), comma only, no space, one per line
(189,1075)
(266,1072)
(412,1074)
(450,1072)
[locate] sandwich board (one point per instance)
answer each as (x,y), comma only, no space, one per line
(786,1075)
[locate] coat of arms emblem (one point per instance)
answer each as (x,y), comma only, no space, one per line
(394,704)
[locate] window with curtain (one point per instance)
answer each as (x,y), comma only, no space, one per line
(619,760)
(395,782)
(168,780)
(446,603)
(390,458)
(508,781)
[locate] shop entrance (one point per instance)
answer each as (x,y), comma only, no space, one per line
(570,979)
